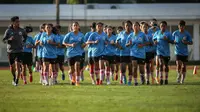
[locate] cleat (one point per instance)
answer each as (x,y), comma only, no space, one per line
(124,80)
(181,82)
(25,83)
(13,83)
(93,82)
(50,82)
(101,82)
(148,82)
(108,82)
(142,80)
(63,77)
(82,77)
(136,84)
(157,80)
(129,83)
(46,84)
(97,82)
(77,84)
(40,81)
(121,82)
(112,77)
(16,81)
(161,82)
(72,83)
(31,78)
(166,82)
(116,77)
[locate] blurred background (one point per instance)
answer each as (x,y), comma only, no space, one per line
(111,12)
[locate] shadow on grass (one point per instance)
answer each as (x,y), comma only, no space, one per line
(117,84)
(186,83)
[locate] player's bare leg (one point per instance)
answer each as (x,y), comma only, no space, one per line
(77,72)
(178,69)
(134,69)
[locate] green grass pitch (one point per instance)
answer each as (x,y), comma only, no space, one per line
(89,98)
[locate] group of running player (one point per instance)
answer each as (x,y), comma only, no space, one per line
(133,47)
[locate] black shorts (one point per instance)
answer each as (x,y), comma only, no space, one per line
(50,60)
(60,59)
(117,59)
(165,58)
(36,58)
(111,59)
(96,59)
(139,60)
(149,56)
(90,60)
(39,59)
(182,58)
(73,60)
(27,59)
(125,59)
(12,57)
(83,57)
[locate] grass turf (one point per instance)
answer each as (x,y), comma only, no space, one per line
(89,98)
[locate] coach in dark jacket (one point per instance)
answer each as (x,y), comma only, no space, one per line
(14,37)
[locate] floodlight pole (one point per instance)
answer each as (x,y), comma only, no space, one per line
(57,11)
(85,14)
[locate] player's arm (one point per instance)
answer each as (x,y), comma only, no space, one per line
(37,41)
(155,38)
(168,38)
(31,45)
(85,38)
(25,36)
(60,45)
(91,40)
(113,42)
(188,40)
(53,41)
(129,41)
(42,41)
(66,41)
(83,44)
(146,41)
(6,38)
(174,37)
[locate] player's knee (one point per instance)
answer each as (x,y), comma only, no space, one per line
(141,71)
(161,67)
(183,69)
(71,71)
(134,69)
(130,72)
(166,68)
(123,70)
